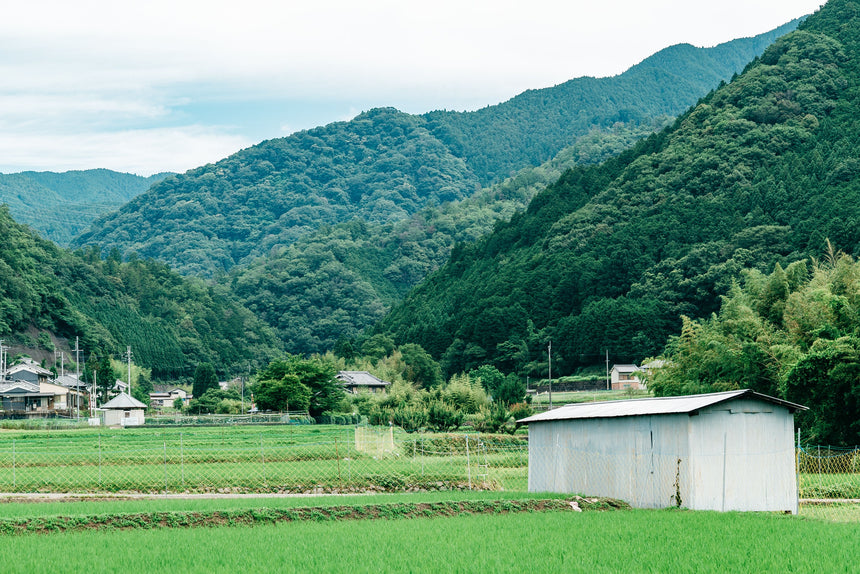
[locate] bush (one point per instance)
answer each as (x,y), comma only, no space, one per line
(330,418)
(409,418)
(443,418)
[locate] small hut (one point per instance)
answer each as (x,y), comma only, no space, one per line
(719,451)
(123,410)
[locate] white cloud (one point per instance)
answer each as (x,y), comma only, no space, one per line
(142,152)
(81,69)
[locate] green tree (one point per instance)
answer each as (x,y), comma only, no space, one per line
(420,366)
(284,394)
(204,379)
(489,376)
(317,374)
(511,390)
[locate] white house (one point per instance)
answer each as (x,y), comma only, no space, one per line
(161,399)
(123,410)
(720,451)
(624,377)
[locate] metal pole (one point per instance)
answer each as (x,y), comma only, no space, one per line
(608,385)
(468,463)
(549,353)
(182,459)
(128,356)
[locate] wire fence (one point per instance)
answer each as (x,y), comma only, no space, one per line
(330,458)
(828,481)
(297,459)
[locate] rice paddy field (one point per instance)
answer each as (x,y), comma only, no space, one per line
(282,458)
(155,500)
(558,540)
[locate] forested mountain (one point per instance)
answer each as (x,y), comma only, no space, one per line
(761,171)
(342,279)
(62,205)
(532,127)
(384,166)
(171,323)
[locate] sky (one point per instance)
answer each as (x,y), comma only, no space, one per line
(169,85)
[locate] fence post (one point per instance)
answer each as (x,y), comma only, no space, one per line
(468,464)
(14,474)
(182,459)
(422,455)
(100,459)
(337,456)
(165,463)
(263,458)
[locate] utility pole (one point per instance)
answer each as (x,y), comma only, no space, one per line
(128,357)
(549,353)
(608,386)
(78,378)
(3,349)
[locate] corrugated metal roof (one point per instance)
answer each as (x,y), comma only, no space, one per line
(123,401)
(651,406)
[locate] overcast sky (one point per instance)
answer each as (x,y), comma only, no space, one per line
(168,85)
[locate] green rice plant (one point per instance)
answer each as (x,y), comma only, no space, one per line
(643,541)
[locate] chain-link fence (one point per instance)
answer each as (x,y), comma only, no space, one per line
(312,458)
(828,481)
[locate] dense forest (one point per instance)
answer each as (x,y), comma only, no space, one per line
(793,333)
(762,171)
(172,323)
(336,282)
(384,166)
(60,206)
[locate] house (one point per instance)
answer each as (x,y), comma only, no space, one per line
(32,399)
(356,381)
(719,451)
(25,398)
(123,410)
(30,371)
(166,398)
(624,377)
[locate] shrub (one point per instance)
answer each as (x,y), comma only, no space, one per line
(443,418)
(409,418)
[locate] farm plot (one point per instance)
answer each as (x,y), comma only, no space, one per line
(558,541)
(272,459)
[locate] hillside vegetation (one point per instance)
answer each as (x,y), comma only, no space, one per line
(62,205)
(172,323)
(384,166)
(760,172)
(336,282)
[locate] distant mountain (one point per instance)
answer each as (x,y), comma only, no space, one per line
(385,166)
(62,205)
(172,323)
(762,171)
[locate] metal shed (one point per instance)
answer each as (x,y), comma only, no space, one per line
(719,451)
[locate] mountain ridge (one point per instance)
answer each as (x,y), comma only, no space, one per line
(382,166)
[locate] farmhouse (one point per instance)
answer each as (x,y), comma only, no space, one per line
(123,410)
(624,377)
(355,381)
(720,451)
(166,398)
(30,371)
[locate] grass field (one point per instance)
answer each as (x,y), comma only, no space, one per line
(565,541)
(568,397)
(254,459)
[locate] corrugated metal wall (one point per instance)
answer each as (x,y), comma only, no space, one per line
(735,456)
